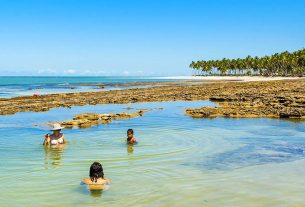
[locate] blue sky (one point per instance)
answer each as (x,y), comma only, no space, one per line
(144,37)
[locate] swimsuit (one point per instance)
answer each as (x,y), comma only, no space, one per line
(57,141)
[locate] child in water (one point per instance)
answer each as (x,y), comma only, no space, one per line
(96,180)
(130,137)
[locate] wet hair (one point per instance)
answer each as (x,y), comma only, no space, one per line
(130,131)
(96,171)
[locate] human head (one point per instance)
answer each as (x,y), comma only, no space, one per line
(96,171)
(129,133)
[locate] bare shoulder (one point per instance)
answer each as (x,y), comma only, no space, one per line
(98,182)
(64,139)
(107,180)
(133,141)
(102,181)
(87,180)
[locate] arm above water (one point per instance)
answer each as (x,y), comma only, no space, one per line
(47,139)
(64,140)
(86,181)
(132,140)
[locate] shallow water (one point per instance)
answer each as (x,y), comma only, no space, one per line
(179,161)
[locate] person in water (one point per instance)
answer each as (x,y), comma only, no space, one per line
(131,139)
(96,179)
(56,138)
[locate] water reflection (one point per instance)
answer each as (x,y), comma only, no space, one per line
(53,155)
(84,189)
(96,193)
(130,149)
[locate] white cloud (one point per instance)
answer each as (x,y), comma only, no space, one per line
(100,72)
(93,72)
(46,71)
(70,71)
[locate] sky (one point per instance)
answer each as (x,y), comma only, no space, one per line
(141,37)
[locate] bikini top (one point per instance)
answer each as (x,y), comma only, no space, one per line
(57,141)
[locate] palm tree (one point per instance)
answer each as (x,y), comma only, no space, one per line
(278,64)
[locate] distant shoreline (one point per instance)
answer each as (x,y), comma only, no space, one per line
(230,78)
(187,78)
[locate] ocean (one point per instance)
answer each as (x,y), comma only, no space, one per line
(178,160)
(13,86)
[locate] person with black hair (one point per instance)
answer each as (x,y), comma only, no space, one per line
(96,179)
(130,137)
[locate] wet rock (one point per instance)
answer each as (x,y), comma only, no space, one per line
(88,116)
(235,99)
(91,119)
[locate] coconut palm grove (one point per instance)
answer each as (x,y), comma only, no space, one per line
(278,64)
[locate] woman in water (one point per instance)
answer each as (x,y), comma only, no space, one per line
(130,137)
(96,180)
(56,138)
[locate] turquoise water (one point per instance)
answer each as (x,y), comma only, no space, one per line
(179,161)
(12,86)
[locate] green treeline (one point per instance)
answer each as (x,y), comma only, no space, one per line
(278,64)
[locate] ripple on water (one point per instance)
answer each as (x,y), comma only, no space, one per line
(177,157)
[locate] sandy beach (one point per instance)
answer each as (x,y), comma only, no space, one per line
(231,78)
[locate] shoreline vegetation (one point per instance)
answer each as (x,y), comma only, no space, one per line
(247,99)
(279,64)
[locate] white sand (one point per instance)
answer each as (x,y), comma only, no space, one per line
(231,78)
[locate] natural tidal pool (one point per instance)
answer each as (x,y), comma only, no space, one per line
(179,161)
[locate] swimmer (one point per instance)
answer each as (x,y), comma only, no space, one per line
(96,180)
(56,138)
(130,137)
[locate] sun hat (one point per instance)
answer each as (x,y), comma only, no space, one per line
(56,126)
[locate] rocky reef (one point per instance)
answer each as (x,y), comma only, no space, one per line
(278,99)
(90,119)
